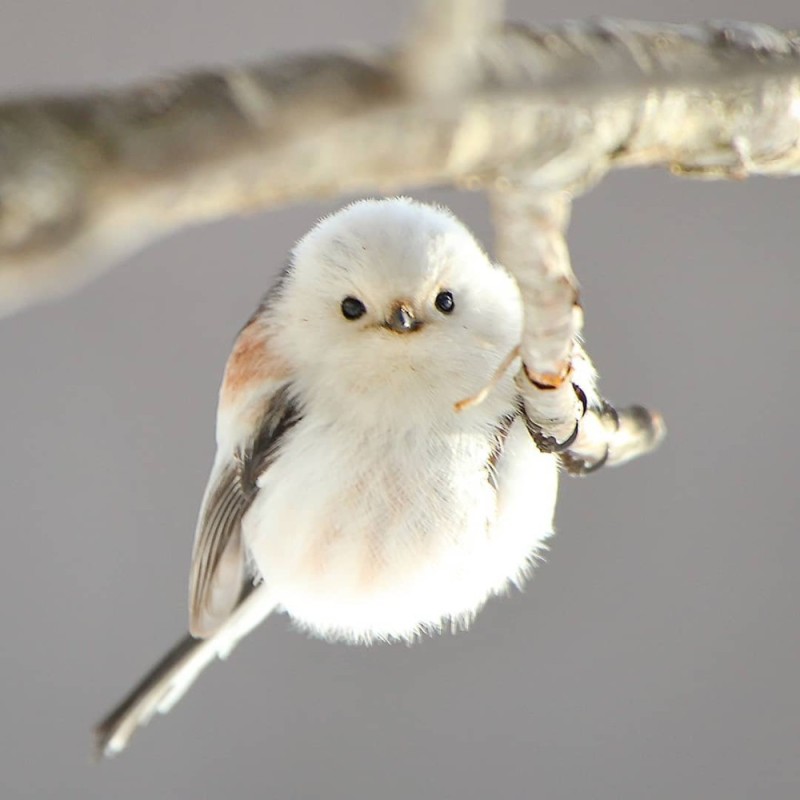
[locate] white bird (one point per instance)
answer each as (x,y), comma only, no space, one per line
(348,490)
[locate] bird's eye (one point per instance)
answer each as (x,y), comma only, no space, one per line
(353,308)
(445,302)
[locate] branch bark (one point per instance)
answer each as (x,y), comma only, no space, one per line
(557,381)
(84,179)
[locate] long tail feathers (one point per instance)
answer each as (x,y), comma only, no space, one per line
(169,680)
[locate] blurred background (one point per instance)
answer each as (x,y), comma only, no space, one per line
(655,655)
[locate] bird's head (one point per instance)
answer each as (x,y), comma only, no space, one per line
(394,300)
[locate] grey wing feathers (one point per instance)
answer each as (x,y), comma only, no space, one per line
(218,561)
(217,571)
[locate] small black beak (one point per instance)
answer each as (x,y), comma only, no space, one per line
(402,320)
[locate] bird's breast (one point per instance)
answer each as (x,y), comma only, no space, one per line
(378,534)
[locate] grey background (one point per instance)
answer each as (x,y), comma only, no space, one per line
(655,656)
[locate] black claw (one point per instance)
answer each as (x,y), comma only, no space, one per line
(548,444)
(598,464)
(577,467)
(609,411)
(569,441)
(582,397)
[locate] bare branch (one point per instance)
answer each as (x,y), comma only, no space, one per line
(444,52)
(86,178)
(530,225)
(609,437)
(557,378)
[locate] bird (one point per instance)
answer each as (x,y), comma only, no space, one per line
(352,489)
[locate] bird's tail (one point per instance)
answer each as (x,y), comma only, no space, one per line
(168,681)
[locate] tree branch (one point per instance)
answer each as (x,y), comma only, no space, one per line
(557,379)
(84,179)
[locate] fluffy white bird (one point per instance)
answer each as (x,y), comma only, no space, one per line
(347,489)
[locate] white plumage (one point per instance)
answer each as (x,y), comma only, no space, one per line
(346,484)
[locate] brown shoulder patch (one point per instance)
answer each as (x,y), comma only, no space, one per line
(252,361)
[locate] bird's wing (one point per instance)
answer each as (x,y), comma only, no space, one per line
(256,409)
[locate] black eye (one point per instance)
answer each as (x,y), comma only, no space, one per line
(445,302)
(353,308)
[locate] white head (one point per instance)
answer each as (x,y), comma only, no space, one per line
(394,301)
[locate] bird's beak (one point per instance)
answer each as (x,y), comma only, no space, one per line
(402,319)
